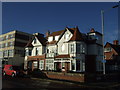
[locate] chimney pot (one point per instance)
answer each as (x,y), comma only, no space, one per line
(92,30)
(47,33)
(115,42)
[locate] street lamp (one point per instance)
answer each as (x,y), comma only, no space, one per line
(102,17)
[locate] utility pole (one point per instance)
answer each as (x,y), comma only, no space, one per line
(102,17)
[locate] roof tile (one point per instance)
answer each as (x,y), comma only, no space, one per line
(77,36)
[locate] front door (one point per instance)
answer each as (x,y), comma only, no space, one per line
(35,64)
(29,66)
(57,66)
(67,66)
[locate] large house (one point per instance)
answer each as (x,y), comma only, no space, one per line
(68,50)
(112,56)
(12,47)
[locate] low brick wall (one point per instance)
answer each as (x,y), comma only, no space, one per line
(66,76)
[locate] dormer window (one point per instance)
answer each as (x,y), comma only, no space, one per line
(56,38)
(50,38)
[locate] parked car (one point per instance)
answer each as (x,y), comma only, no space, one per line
(38,73)
(12,70)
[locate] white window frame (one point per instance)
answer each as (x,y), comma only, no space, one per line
(41,64)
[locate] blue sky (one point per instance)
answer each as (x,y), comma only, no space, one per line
(32,17)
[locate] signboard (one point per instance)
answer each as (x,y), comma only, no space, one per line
(103,61)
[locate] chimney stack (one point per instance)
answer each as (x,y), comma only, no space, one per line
(116,42)
(47,33)
(92,30)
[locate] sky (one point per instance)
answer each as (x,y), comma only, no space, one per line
(33,17)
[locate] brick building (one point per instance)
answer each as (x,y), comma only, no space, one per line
(112,56)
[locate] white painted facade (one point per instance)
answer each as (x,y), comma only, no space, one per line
(37,50)
(76,51)
(63,47)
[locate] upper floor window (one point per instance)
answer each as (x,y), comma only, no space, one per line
(3,45)
(28,52)
(11,36)
(47,51)
(11,43)
(6,44)
(63,47)
(66,36)
(7,37)
(10,52)
(109,49)
(36,52)
(5,53)
(71,48)
(50,38)
(35,41)
(0,45)
(1,38)
(56,38)
(1,53)
(80,48)
(4,38)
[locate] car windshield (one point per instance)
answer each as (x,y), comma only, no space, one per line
(16,68)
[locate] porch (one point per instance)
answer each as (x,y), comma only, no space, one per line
(36,62)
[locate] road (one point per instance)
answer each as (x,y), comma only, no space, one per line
(20,82)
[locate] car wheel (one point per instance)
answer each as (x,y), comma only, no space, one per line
(13,75)
(4,73)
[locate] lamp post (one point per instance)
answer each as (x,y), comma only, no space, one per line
(102,17)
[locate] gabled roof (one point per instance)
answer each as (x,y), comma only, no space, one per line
(61,33)
(29,44)
(115,47)
(41,39)
(77,36)
(57,33)
(70,29)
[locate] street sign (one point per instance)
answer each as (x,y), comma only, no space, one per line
(104,61)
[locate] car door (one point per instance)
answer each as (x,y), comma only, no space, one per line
(10,70)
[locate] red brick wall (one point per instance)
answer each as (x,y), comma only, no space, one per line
(65,76)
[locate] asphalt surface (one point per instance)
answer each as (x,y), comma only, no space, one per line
(19,82)
(37,83)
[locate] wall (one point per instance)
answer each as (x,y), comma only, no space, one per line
(64,41)
(52,48)
(16,61)
(37,45)
(66,76)
(92,49)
